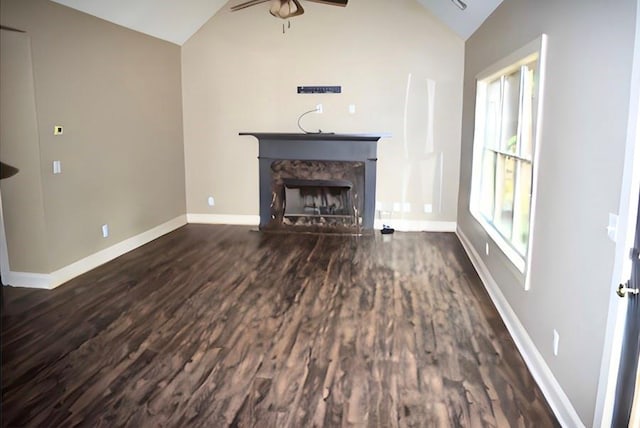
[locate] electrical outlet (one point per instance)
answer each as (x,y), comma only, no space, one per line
(556,342)
(105,230)
(397,207)
(352,109)
(211,201)
(486,248)
(319,108)
(57,167)
(428,208)
(58,130)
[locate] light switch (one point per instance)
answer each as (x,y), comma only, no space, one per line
(352,109)
(57,167)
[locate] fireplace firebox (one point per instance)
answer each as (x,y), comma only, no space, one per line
(314,195)
(316,198)
(317,182)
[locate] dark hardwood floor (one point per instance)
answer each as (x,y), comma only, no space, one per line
(218,326)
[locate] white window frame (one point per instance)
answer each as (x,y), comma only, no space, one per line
(534,50)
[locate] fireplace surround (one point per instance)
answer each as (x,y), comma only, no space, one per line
(317,182)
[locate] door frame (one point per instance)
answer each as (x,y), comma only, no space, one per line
(5,271)
(625,237)
(4,251)
(628,369)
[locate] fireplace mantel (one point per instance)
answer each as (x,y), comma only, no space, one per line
(323,147)
(323,136)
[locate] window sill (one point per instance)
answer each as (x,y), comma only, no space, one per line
(512,255)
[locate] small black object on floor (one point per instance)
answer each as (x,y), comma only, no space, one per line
(386,230)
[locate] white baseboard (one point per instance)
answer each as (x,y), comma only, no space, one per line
(60,276)
(27,279)
(417,225)
(239,220)
(553,392)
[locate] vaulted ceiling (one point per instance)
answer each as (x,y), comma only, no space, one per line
(177,21)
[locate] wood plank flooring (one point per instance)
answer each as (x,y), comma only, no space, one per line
(214,326)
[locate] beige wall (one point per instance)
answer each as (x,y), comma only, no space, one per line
(240,73)
(118,95)
(23,212)
(580,168)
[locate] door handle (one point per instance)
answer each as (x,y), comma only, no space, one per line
(623,290)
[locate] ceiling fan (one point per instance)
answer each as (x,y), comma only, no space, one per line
(286,9)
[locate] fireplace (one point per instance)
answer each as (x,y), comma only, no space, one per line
(315,195)
(317,182)
(315,198)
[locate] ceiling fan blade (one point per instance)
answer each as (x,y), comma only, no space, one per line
(247,4)
(342,3)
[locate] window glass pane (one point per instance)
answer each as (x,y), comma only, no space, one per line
(492,125)
(510,111)
(505,181)
(523,208)
(526,125)
(488,184)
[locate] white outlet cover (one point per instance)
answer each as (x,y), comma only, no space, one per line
(556,342)
(352,109)
(428,208)
(486,248)
(57,167)
(211,201)
(58,130)
(319,108)
(105,230)
(397,207)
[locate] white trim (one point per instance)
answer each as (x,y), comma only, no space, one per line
(27,280)
(5,271)
(50,281)
(514,60)
(417,225)
(627,211)
(239,220)
(553,392)
(542,69)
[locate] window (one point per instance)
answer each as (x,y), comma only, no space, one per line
(508,101)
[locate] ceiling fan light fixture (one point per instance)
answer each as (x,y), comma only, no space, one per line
(292,8)
(287,9)
(274,8)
